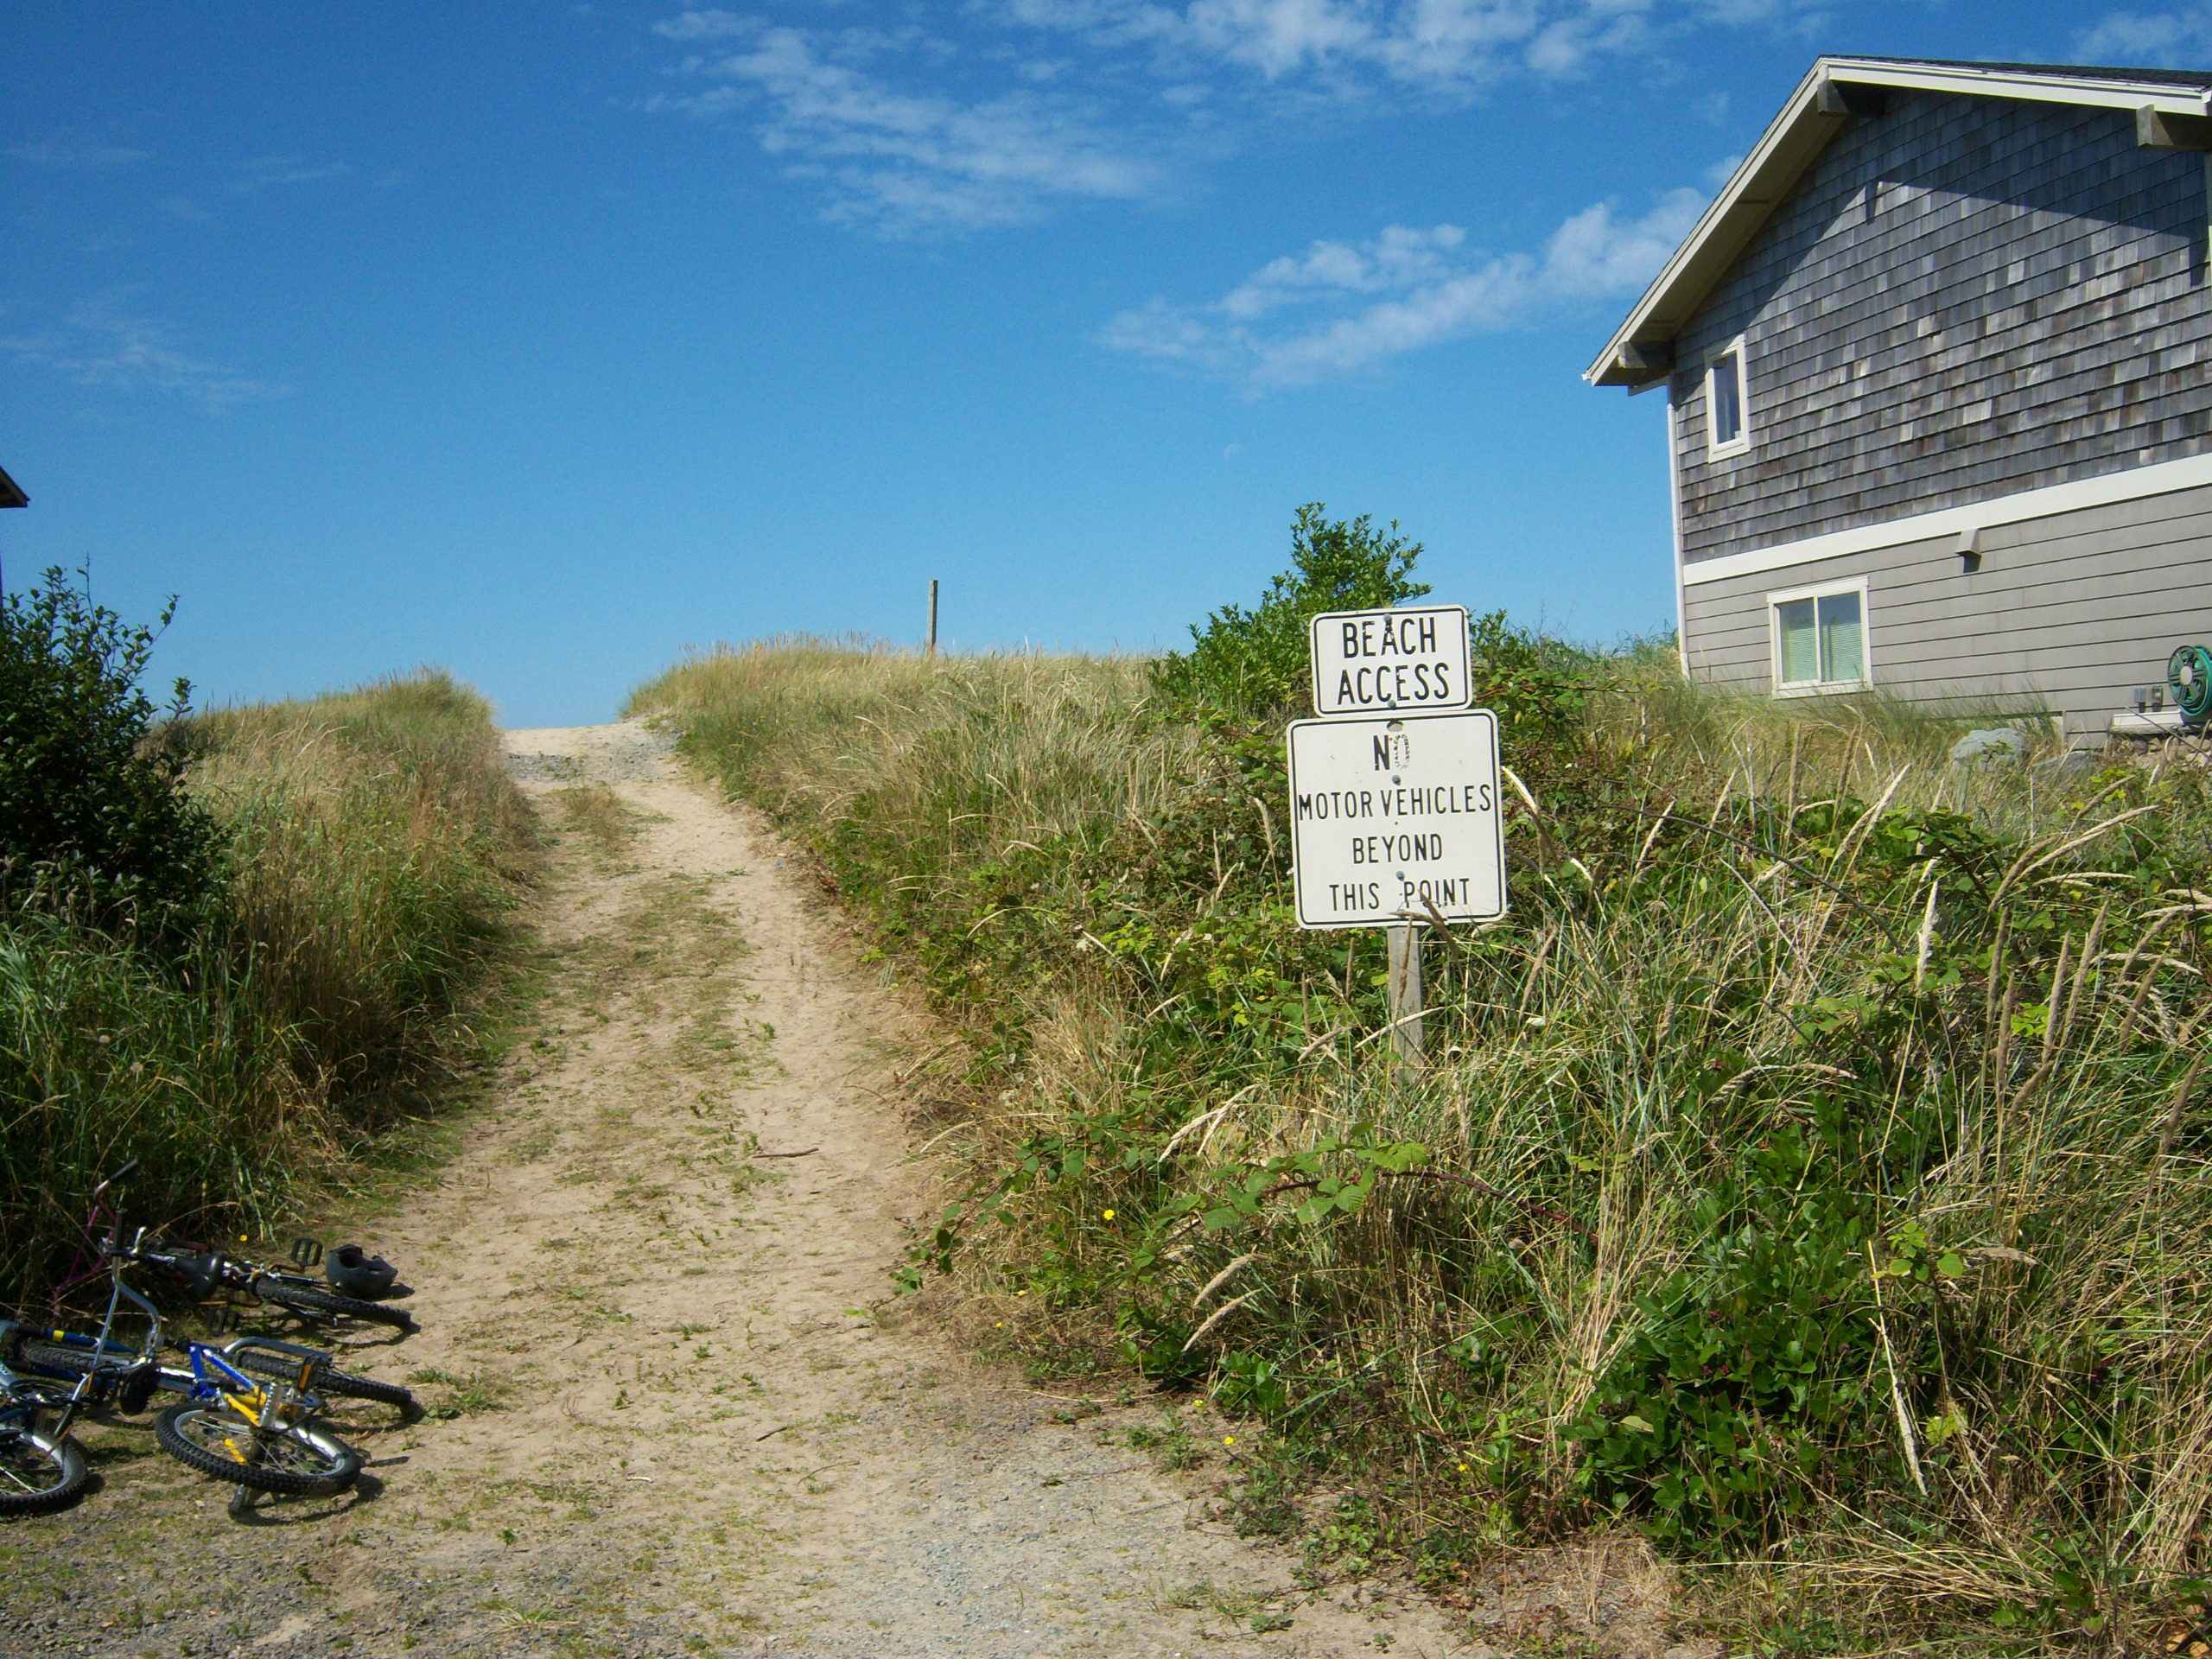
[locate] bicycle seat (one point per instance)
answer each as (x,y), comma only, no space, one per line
(201,1270)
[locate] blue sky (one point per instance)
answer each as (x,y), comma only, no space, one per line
(541,341)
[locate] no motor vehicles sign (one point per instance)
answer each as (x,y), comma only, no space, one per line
(1397,813)
(1366,662)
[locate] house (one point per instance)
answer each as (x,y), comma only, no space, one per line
(1938,364)
(11,496)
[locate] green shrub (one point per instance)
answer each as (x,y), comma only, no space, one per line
(1260,660)
(85,792)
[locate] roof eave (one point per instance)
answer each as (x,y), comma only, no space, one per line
(1792,142)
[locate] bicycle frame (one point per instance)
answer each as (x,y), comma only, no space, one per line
(91,1259)
(214,1379)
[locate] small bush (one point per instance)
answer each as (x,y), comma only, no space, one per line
(1260,660)
(85,791)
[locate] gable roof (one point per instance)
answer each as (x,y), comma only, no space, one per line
(10,495)
(1833,92)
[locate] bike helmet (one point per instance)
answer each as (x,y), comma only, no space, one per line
(352,1269)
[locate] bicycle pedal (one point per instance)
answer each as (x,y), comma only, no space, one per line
(306,1252)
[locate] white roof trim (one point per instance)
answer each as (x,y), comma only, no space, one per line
(1959,525)
(1795,139)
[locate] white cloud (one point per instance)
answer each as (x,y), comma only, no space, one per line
(711,24)
(1404,291)
(2180,37)
(72,152)
(104,346)
(1456,46)
(993,111)
(273,171)
(898,160)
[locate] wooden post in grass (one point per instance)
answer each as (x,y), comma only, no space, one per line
(1406,1009)
(933,616)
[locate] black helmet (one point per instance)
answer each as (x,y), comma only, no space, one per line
(354,1271)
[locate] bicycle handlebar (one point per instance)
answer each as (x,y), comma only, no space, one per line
(119,1174)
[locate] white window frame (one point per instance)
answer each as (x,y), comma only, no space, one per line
(1774,602)
(1741,442)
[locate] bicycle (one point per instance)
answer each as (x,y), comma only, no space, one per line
(259,1434)
(205,1270)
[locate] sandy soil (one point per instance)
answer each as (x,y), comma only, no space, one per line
(676,1409)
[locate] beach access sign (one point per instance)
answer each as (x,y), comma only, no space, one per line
(1394,814)
(1412,660)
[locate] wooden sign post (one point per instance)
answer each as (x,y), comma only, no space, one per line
(1406,1006)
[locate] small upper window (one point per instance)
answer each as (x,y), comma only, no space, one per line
(1820,640)
(1728,431)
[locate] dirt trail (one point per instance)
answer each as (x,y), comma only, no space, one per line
(677,1411)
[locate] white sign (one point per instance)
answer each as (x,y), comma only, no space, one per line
(1394,814)
(1365,661)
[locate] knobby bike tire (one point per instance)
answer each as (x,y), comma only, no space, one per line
(312,1299)
(216,1440)
(327,1381)
(130,1386)
(39,1472)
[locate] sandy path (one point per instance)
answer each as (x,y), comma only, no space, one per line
(681,1412)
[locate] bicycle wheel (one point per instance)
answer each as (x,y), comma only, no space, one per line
(318,1303)
(123,1376)
(290,1457)
(39,1472)
(327,1381)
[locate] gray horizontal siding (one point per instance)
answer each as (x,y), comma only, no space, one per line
(2067,615)
(1964,298)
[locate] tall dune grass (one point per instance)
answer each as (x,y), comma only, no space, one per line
(375,848)
(1811,1172)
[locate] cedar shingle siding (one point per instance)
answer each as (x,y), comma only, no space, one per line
(1965,297)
